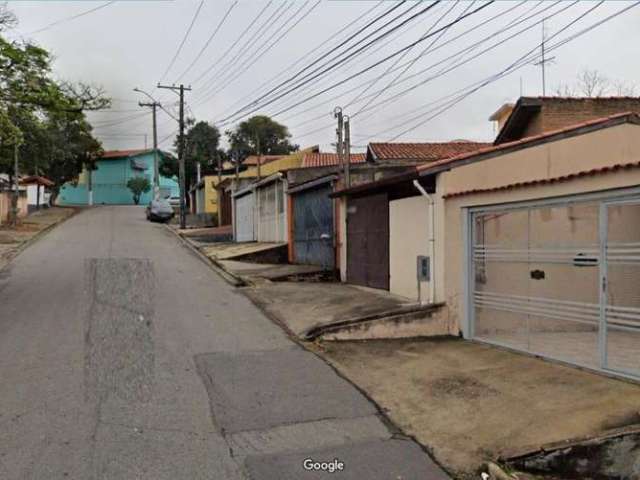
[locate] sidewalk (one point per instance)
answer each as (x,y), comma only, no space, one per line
(13,240)
(312,310)
(307,300)
(469,403)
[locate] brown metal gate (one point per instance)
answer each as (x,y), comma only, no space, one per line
(225,207)
(368,241)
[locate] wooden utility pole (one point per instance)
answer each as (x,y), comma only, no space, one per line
(156,169)
(181,151)
(347,151)
(258,153)
(337,113)
(16,184)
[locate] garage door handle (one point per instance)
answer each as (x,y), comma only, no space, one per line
(537,274)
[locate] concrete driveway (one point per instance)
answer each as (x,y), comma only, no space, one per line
(124,356)
(469,402)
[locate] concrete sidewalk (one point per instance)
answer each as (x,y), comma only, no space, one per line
(308,302)
(469,403)
(303,307)
(14,239)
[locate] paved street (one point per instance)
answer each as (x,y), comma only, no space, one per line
(123,356)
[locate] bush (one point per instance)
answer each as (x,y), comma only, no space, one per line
(138,186)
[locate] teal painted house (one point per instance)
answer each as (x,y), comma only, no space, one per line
(114,169)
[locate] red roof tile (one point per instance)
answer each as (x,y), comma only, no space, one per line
(124,153)
(328,159)
(525,142)
(429,151)
(36,179)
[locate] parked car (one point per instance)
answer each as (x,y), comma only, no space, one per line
(174,202)
(160,211)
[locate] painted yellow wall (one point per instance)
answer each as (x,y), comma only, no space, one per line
(210,181)
(608,147)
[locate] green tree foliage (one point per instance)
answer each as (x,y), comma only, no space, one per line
(271,137)
(138,186)
(43,116)
(201,145)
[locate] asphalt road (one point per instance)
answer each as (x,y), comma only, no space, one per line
(124,356)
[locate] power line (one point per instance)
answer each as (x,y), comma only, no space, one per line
(209,40)
(409,65)
(306,55)
(184,39)
(298,77)
(251,61)
(72,17)
(247,45)
(360,58)
(459,53)
(523,61)
(223,56)
(231,73)
(466,50)
(357,74)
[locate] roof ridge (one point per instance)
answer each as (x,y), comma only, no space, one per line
(531,139)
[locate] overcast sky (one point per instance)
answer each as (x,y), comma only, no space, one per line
(131,44)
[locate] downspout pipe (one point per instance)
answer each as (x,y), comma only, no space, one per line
(432,241)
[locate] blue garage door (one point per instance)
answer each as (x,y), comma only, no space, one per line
(313,227)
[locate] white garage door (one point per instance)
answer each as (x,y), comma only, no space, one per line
(560,280)
(244,218)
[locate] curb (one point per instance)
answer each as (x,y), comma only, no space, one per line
(317,331)
(228,277)
(27,243)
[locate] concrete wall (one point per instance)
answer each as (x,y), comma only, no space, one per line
(608,147)
(409,234)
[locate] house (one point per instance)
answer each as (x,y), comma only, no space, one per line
(38,193)
(259,212)
(108,182)
(206,198)
(534,242)
(385,225)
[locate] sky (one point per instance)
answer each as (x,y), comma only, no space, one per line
(442,88)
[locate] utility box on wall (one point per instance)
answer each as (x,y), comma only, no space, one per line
(424,268)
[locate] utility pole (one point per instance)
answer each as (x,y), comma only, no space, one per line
(258,152)
(337,113)
(181,150)
(16,185)
(156,173)
(235,156)
(347,150)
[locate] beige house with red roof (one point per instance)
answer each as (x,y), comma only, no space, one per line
(533,242)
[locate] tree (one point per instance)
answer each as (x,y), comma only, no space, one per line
(201,146)
(592,83)
(138,186)
(44,117)
(260,134)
